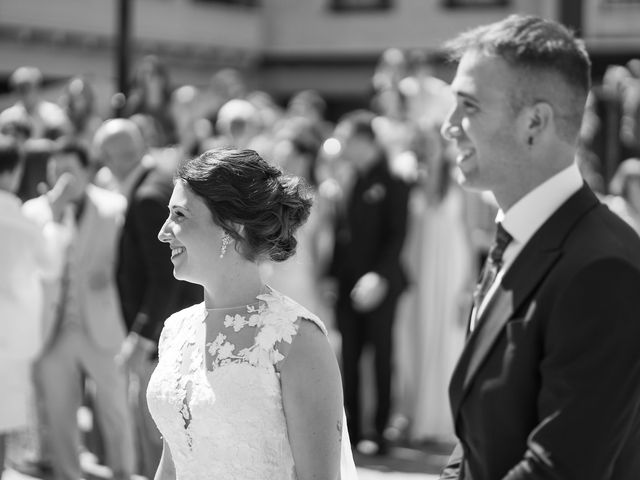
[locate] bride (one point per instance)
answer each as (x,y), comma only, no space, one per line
(247,385)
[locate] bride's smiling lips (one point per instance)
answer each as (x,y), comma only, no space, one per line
(175,251)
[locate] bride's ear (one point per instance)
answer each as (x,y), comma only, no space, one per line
(239,228)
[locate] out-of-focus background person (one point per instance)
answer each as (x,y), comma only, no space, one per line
(84,328)
(369,234)
(32,255)
(46,118)
(78,102)
(296,148)
(150,94)
(148,291)
(438,254)
(624,198)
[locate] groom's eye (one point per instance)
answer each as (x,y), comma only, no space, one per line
(469,107)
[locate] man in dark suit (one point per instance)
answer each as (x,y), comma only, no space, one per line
(548,384)
(149,293)
(369,235)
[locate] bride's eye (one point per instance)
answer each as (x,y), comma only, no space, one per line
(177,215)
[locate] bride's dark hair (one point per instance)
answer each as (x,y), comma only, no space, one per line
(240,188)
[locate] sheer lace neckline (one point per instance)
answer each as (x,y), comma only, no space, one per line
(245,307)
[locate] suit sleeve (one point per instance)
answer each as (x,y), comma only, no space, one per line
(396,212)
(161,288)
(590,377)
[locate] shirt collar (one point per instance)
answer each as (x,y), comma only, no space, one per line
(129,183)
(527,215)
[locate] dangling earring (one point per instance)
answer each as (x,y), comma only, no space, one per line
(226,240)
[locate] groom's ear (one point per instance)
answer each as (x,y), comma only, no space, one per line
(539,120)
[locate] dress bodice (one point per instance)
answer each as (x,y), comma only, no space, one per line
(215,394)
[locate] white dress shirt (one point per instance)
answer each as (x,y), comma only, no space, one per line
(527,215)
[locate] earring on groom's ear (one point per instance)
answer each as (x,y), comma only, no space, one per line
(530,141)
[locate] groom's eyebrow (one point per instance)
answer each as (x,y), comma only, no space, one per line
(466,96)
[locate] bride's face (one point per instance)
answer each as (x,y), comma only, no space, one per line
(194,238)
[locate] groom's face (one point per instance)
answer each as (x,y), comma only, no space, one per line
(482,124)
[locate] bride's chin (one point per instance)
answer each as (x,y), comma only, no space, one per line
(183,276)
(178,275)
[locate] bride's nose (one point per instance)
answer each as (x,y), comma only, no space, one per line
(165,235)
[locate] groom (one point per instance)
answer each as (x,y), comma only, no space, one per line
(548,384)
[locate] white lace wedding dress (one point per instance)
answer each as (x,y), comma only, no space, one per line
(215,394)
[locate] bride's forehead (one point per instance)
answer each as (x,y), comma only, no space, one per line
(183,196)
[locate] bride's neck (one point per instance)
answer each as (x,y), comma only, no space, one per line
(239,286)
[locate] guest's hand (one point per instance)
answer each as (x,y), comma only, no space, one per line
(369,292)
(62,193)
(135,353)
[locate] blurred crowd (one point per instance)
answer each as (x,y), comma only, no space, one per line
(388,258)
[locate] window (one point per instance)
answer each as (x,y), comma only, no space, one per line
(243,3)
(476,3)
(360,5)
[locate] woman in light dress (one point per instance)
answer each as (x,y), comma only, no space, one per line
(247,386)
(431,325)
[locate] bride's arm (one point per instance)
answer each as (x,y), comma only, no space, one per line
(166,470)
(312,398)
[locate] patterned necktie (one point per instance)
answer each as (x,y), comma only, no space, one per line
(490,270)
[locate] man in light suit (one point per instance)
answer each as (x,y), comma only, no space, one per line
(83,323)
(548,384)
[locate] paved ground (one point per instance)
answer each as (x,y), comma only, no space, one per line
(402,463)
(379,473)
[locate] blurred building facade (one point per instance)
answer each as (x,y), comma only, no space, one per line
(283,45)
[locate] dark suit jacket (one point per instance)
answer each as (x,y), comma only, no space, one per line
(548,384)
(148,290)
(371,230)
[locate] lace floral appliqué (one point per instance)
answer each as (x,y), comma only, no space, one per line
(227,423)
(275,321)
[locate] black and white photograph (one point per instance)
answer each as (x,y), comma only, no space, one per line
(320,240)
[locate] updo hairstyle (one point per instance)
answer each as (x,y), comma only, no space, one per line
(240,188)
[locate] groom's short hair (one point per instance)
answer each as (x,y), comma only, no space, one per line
(545,54)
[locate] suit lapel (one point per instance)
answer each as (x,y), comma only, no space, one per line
(529,269)
(506,299)
(128,217)
(142,176)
